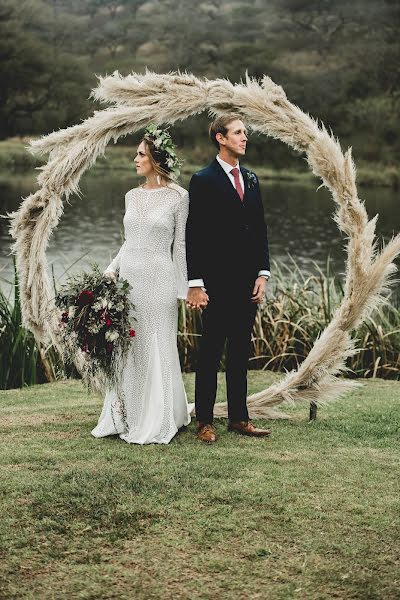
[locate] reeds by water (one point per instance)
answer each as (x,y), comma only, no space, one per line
(23,361)
(18,349)
(298,308)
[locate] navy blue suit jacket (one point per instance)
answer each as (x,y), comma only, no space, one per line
(226,238)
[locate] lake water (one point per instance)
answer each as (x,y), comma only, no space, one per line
(298,217)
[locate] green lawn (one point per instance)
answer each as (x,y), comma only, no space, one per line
(312,512)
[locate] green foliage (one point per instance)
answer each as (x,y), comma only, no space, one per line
(23,361)
(162,140)
(14,156)
(18,350)
(336,60)
(298,308)
(302,306)
(37,71)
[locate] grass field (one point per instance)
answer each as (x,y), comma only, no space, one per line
(312,512)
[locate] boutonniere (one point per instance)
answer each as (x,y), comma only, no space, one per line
(251,179)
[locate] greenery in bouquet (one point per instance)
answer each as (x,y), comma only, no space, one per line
(96,319)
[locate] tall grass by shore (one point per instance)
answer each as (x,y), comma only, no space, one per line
(15,158)
(19,352)
(297,310)
(23,361)
(302,306)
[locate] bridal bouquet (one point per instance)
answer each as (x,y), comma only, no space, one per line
(96,324)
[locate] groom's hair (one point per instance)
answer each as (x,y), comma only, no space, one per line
(220,125)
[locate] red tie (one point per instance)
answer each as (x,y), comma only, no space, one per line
(238,186)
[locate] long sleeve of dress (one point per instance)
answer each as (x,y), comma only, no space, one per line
(114,264)
(179,248)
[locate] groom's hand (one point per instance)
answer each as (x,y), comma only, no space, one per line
(259,290)
(197,298)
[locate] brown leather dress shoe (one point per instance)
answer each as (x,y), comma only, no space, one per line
(206,433)
(247,428)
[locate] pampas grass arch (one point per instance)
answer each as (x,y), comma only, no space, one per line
(140,99)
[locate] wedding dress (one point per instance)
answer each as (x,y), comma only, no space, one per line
(153,260)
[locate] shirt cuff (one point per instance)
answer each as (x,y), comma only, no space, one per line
(196,283)
(265,274)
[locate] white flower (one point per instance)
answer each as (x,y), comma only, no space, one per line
(110,304)
(71,312)
(104,302)
(111,335)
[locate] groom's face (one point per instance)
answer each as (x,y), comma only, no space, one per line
(235,140)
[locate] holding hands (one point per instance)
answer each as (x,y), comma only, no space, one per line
(197,298)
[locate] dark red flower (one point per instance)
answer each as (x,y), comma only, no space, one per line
(64,317)
(85,297)
(109,347)
(108,322)
(132,333)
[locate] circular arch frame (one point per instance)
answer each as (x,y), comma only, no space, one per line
(142,98)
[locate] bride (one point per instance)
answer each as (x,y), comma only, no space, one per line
(153,260)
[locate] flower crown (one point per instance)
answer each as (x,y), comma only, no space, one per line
(162,141)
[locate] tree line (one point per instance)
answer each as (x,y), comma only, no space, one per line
(337,60)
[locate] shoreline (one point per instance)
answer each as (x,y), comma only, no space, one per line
(15,159)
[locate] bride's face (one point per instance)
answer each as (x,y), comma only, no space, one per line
(143,165)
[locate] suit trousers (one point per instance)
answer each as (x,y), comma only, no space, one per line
(232,322)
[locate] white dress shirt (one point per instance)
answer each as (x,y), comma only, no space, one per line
(228,168)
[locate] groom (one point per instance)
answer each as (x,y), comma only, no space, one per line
(228,268)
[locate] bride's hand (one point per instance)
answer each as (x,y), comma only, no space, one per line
(110,275)
(197,298)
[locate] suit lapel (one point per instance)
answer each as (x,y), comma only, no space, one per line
(246,184)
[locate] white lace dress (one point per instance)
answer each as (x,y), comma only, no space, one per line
(153,260)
